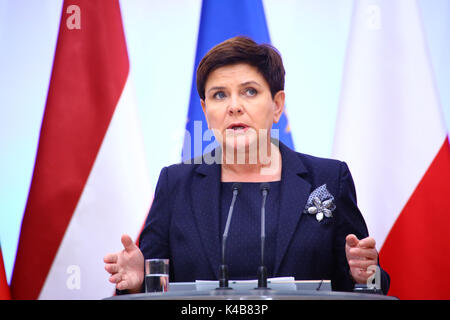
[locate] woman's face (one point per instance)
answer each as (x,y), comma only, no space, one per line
(238,105)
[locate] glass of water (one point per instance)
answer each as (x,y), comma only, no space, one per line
(156,275)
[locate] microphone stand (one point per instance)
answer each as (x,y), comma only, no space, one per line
(223,270)
(262,270)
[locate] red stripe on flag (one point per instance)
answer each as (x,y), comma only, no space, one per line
(4,288)
(416,252)
(89,72)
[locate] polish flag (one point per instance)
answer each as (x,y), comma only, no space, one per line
(90,183)
(390,131)
(4,288)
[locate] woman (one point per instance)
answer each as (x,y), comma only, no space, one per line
(314,229)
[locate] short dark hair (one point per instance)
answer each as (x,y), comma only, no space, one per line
(243,50)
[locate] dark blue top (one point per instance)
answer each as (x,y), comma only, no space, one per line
(243,247)
(185,226)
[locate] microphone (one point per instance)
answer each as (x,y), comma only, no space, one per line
(262,270)
(223,271)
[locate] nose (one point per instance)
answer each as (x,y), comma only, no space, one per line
(235,107)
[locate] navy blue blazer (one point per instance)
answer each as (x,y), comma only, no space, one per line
(183,222)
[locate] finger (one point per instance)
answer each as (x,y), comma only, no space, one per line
(127,242)
(110,258)
(122,285)
(361,276)
(361,264)
(363,253)
(115,278)
(368,242)
(351,240)
(112,268)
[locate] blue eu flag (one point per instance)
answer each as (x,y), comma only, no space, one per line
(219,21)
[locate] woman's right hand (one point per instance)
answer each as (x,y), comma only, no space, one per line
(126,267)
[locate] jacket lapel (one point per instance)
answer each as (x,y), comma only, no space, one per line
(295,191)
(206,205)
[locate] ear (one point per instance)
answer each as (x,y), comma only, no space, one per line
(278,100)
(202,102)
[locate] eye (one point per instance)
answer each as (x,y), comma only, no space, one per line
(250,92)
(219,95)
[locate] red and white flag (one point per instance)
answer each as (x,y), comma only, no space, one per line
(391,132)
(90,183)
(4,288)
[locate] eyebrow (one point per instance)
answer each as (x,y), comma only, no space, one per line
(248,83)
(241,85)
(216,88)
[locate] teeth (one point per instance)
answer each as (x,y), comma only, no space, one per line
(238,128)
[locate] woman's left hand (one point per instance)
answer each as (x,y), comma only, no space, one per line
(361,254)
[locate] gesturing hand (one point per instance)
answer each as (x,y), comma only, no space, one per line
(126,267)
(360,255)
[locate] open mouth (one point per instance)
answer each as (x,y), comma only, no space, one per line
(236,127)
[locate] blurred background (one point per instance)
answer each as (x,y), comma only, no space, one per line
(312,36)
